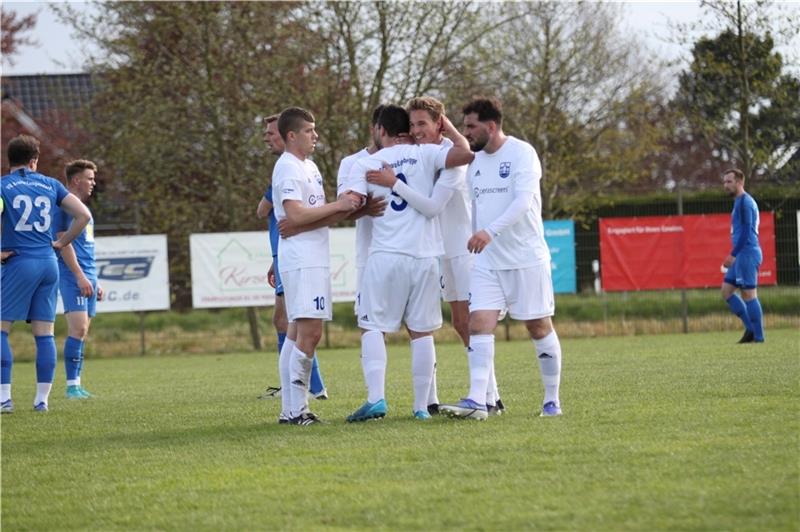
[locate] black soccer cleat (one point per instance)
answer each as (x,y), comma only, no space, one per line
(306,418)
(747,337)
(433,409)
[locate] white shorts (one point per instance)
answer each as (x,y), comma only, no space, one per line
(527,293)
(307,293)
(397,289)
(359,277)
(455,277)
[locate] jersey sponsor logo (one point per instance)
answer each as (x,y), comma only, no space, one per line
(505,169)
(314,198)
(124,268)
(478,191)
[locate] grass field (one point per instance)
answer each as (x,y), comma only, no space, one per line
(685,432)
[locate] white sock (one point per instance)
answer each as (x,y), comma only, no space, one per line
(42,392)
(481,357)
(283,371)
(5,392)
(491,387)
(423,362)
(548,351)
(433,394)
(73,382)
(373,362)
(299,377)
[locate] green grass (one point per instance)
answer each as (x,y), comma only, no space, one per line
(685,432)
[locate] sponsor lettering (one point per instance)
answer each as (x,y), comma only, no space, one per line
(124,268)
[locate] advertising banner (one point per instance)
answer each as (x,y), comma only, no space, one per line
(133,271)
(662,252)
(230,269)
(560,238)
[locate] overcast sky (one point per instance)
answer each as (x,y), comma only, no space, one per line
(59,52)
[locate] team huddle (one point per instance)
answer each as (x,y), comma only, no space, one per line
(438,214)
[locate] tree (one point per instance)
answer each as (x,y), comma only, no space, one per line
(737,96)
(12,30)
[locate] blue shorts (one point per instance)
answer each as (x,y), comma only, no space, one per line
(28,289)
(72,298)
(744,270)
(278,281)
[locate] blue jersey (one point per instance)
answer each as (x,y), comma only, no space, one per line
(274,235)
(29,199)
(83,245)
(744,224)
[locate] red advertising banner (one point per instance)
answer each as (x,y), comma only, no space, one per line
(660,252)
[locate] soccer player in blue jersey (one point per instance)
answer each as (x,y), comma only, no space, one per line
(29,274)
(77,277)
(742,262)
(279,319)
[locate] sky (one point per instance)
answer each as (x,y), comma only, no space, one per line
(59,51)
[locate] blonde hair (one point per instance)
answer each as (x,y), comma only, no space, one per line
(434,107)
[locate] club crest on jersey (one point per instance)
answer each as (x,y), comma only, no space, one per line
(505,170)
(314,198)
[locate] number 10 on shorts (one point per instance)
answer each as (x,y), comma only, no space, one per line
(320,302)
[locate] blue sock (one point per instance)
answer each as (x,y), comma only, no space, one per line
(754,311)
(45,358)
(7,359)
(73,356)
(737,306)
(281,339)
(316,385)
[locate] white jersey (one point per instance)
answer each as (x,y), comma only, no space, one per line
(455,221)
(403,229)
(293,179)
(363,224)
(495,179)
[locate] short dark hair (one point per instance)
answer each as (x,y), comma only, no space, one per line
(291,119)
(487,109)
(22,149)
(376,113)
(737,174)
(75,167)
(269,119)
(394,119)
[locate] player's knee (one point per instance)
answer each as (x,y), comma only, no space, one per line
(540,328)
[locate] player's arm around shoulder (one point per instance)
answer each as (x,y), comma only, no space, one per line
(460,154)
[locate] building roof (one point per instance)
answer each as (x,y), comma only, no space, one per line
(41,95)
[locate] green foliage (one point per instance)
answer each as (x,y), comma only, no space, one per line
(682,432)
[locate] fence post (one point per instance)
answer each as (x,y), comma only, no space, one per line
(255,333)
(142,349)
(684,302)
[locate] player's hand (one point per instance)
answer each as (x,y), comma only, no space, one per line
(349,202)
(58,245)
(375,206)
(100,293)
(287,229)
(384,177)
(271,275)
(5,255)
(479,241)
(85,286)
(728,261)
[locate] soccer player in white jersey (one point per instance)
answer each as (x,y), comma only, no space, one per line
(304,259)
(401,275)
(512,266)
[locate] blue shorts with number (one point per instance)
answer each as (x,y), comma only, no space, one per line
(28,289)
(744,270)
(278,281)
(72,298)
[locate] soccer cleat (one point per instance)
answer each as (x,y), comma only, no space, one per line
(747,337)
(6,407)
(85,393)
(321,396)
(306,418)
(467,409)
(496,409)
(271,393)
(40,407)
(367,411)
(74,392)
(283,419)
(433,409)
(550,409)
(422,415)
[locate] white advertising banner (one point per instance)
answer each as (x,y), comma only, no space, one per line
(230,269)
(133,271)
